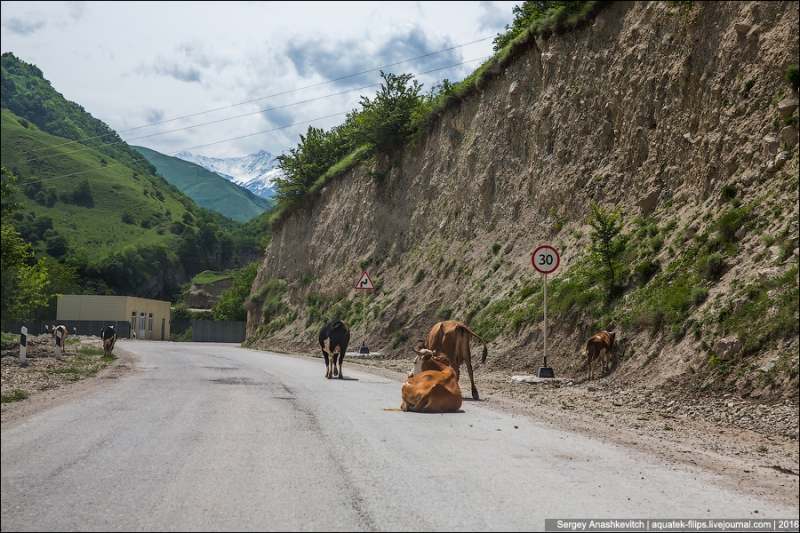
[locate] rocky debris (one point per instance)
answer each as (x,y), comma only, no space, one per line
(728,347)
(728,411)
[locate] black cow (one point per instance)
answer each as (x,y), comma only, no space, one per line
(109,338)
(333,339)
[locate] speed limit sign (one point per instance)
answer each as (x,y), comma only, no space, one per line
(545,259)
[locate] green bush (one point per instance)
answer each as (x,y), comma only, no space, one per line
(728,192)
(397,338)
(792,76)
(645,271)
(444,312)
(730,221)
(715,267)
(699,295)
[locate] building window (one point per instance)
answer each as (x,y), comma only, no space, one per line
(150,322)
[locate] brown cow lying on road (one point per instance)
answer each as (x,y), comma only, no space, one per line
(452,337)
(598,349)
(432,385)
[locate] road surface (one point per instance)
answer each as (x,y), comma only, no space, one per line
(206,436)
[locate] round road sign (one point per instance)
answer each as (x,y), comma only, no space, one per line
(545,259)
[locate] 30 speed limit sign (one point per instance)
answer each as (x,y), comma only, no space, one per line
(545,259)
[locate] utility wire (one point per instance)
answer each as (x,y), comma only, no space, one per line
(46,157)
(42,180)
(271,95)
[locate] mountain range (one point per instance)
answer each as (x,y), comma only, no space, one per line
(208,189)
(255,172)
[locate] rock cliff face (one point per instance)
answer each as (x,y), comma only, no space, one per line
(651,112)
(206,296)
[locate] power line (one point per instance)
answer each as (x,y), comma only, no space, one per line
(42,180)
(43,158)
(270,96)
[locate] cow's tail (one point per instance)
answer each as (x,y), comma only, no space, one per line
(485,348)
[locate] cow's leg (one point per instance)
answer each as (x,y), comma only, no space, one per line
(327,365)
(341,357)
(336,355)
(472,381)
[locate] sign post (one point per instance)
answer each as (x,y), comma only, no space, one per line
(23,346)
(59,346)
(364,283)
(545,260)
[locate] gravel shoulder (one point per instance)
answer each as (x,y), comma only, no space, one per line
(763,460)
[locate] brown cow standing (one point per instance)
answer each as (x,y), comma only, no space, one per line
(64,334)
(432,385)
(598,348)
(451,338)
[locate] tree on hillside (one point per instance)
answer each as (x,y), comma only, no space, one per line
(386,122)
(607,243)
(524,15)
(230,304)
(24,283)
(317,152)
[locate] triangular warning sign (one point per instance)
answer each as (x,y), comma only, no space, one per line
(365,283)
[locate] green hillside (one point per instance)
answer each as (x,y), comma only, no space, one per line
(122,207)
(27,93)
(95,212)
(206,188)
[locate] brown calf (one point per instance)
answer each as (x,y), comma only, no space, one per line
(598,349)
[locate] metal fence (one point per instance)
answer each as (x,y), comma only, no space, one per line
(178,326)
(74,327)
(218,331)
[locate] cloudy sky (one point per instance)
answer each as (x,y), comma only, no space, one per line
(227,79)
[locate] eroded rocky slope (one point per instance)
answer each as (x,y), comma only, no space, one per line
(665,116)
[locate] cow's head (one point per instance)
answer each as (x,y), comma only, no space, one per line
(428,360)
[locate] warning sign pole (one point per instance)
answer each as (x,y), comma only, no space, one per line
(364,335)
(364,283)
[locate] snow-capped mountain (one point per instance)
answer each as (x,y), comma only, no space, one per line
(254,172)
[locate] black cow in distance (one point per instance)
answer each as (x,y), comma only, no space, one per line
(333,339)
(109,338)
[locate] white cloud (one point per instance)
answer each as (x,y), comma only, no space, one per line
(131,64)
(27,25)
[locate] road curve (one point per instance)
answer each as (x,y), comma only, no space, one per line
(208,436)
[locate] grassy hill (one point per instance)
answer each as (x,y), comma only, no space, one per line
(206,188)
(122,208)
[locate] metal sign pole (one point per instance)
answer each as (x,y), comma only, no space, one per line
(545,320)
(364,337)
(545,260)
(364,283)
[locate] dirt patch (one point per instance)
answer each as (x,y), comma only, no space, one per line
(48,382)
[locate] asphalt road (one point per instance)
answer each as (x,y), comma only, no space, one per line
(215,437)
